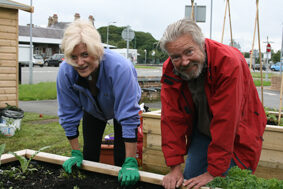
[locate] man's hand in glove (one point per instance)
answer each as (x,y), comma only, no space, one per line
(77,158)
(129,174)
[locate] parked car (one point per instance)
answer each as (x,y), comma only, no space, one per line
(276,66)
(257,67)
(54,60)
(37,60)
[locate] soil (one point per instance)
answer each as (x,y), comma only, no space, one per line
(53,176)
(271,122)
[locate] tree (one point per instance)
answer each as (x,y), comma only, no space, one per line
(142,41)
(275,57)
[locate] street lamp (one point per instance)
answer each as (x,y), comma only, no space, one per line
(107,35)
(145,56)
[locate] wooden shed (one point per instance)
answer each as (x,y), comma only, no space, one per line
(9,13)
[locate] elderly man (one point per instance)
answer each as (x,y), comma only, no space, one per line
(210,108)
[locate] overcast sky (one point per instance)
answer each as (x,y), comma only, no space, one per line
(153,16)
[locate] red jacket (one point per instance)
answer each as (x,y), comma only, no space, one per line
(238,120)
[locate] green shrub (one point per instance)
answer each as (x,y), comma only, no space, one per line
(244,179)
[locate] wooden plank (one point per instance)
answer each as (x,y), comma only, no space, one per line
(6,158)
(17,7)
(272,156)
(8,29)
(8,70)
(154,157)
(8,83)
(8,77)
(151,125)
(94,166)
(8,63)
(273,139)
(5,49)
(6,42)
(8,22)
(12,103)
(8,56)
(9,13)
(8,97)
(269,173)
(153,141)
(151,167)
(11,90)
(8,35)
(274,128)
(153,161)
(153,114)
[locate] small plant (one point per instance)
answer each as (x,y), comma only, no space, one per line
(2,148)
(244,179)
(25,162)
(76,174)
(272,119)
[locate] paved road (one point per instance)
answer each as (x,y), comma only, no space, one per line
(49,74)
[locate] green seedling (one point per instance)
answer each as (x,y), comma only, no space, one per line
(25,162)
(76,174)
(2,147)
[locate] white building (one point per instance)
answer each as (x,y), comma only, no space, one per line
(132,56)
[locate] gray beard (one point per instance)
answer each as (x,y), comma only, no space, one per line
(190,76)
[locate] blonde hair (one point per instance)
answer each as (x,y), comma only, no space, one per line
(81,32)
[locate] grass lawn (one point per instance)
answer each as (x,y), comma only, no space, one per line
(37,132)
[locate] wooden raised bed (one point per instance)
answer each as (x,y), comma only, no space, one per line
(270,164)
(87,165)
(102,168)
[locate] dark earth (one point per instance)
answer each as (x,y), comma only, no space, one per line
(52,176)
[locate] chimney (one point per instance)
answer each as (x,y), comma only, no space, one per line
(55,19)
(50,21)
(77,16)
(91,19)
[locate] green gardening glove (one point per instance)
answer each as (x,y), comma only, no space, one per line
(77,158)
(129,174)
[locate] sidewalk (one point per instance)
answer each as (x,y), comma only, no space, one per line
(49,107)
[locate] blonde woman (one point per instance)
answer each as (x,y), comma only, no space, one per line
(95,84)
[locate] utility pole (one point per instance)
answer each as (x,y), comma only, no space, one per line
(211,5)
(31,47)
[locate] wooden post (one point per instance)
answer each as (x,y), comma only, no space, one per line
(193,11)
(224,22)
(232,43)
(259,49)
(251,57)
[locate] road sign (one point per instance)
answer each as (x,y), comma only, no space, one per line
(268,47)
(128,34)
(200,12)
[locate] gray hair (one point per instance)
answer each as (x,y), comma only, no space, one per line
(179,28)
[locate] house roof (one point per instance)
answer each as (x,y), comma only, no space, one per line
(45,35)
(15,5)
(40,32)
